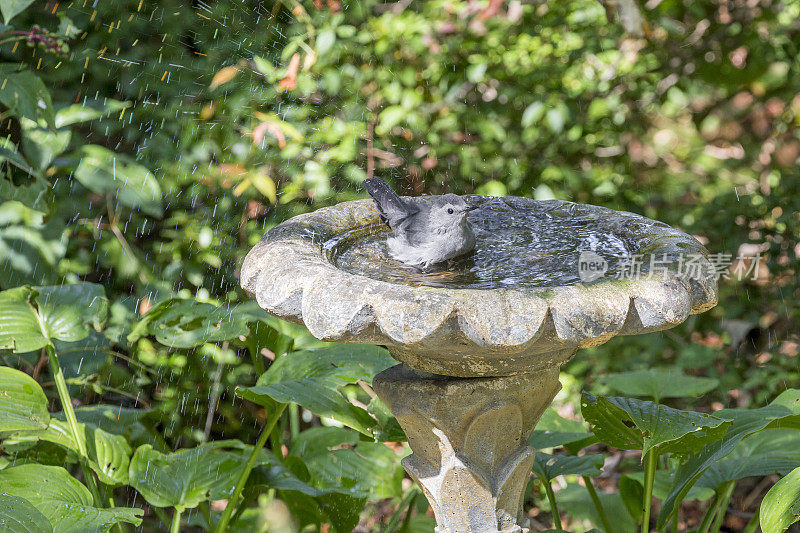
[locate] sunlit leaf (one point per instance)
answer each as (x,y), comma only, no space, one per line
(780,507)
(18,515)
(62,499)
(187,477)
(627,423)
(34,316)
(312,379)
(23,405)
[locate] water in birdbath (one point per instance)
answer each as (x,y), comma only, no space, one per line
(516,247)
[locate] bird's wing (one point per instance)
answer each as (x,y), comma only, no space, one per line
(393,209)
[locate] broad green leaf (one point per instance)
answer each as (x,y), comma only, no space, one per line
(188,323)
(30,248)
(366,468)
(41,144)
(12,8)
(185,478)
(24,93)
(18,515)
(745,422)
(105,172)
(553,430)
(548,467)
(62,499)
(108,454)
(133,424)
(659,383)
(627,423)
(312,379)
(76,113)
(780,507)
(23,405)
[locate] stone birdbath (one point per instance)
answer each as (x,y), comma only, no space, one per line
(480,342)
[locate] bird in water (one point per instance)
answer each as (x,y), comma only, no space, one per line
(423,233)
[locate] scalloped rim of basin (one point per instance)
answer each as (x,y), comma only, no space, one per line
(471,332)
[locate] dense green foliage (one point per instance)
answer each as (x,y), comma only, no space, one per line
(148,145)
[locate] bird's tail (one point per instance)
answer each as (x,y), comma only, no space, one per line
(391,207)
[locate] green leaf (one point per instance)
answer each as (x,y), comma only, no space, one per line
(62,499)
(188,323)
(312,379)
(548,467)
(553,430)
(659,383)
(41,145)
(780,507)
(23,405)
(75,113)
(18,515)
(12,8)
(108,454)
(366,468)
(745,422)
(23,92)
(185,478)
(30,249)
(627,423)
(105,172)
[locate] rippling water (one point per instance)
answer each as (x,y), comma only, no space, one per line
(516,248)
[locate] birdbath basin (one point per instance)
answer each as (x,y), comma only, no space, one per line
(481,339)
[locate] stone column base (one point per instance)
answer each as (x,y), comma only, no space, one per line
(470,442)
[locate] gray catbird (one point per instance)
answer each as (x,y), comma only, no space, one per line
(423,233)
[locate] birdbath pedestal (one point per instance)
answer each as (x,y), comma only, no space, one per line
(481,341)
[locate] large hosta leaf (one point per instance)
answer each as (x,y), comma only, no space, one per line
(62,499)
(335,457)
(187,477)
(108,454)
(18,515)
(313,379)
(780,507)
(105,172)
(659,383)
(23,405)
(34,316)
(783,412)
(188,323)
(627,423)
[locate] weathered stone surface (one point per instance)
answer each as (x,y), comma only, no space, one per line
(471,332)
(470,441)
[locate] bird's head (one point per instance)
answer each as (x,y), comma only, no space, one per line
(449,210)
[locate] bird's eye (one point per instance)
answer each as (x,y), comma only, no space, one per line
(450,210)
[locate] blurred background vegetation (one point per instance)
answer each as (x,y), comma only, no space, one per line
(214,121)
